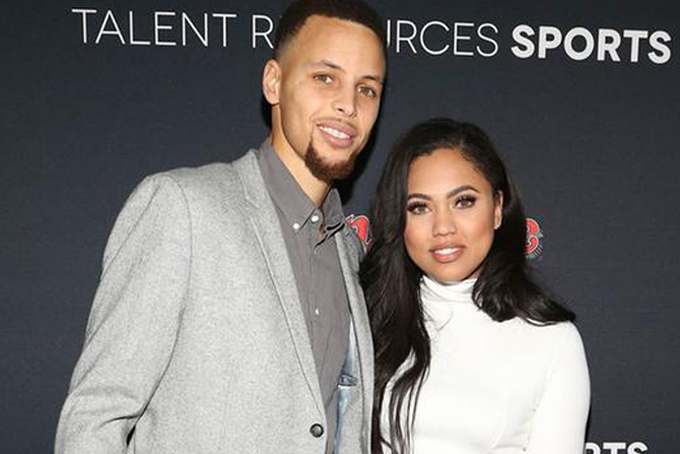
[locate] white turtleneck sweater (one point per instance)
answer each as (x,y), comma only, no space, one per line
(501,388)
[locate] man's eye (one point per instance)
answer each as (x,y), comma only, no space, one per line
(417,208)
(325,78)
(368,91)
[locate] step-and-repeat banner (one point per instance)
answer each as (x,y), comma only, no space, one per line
(582,99)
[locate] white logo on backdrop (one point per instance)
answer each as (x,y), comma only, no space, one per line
(616,447)
(404,36)
(469,39)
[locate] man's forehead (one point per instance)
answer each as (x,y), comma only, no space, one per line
(317,27)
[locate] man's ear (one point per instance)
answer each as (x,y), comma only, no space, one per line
(271,81)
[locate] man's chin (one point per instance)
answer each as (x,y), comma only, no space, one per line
(326,170)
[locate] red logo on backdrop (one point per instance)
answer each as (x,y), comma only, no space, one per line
(362,226)
(534,244)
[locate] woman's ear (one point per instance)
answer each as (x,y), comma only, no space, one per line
(498,210)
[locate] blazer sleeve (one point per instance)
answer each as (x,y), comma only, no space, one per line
(560,419)
(133,322)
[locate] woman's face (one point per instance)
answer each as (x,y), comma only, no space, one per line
(451,216)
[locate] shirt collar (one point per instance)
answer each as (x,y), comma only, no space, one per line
(289,197)
(334,217)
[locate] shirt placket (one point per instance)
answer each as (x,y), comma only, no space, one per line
(315,219)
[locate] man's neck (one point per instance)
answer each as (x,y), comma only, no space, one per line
(313,188)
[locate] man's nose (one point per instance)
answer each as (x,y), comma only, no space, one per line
(345,103)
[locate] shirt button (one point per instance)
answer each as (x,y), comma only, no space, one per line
(316,430)
(296,226)
(315,218)
(316,311)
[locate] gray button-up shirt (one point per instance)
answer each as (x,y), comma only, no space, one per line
(309,234)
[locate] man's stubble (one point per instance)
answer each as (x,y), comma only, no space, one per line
(326,171)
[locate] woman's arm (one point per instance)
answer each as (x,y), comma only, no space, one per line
(560,419)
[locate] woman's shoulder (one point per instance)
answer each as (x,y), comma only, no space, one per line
(545,340)
(541,329)
(536,353)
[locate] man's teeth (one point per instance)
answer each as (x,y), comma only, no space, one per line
(334,132)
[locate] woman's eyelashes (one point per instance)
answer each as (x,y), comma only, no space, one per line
(417,207)
(465,201)
(461,202)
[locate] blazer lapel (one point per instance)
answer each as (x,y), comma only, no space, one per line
(361,327)
(266,227)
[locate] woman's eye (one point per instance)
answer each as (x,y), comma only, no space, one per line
(465,201)
(417,208)
(325,78)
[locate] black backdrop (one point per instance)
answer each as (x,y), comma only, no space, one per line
(590,135)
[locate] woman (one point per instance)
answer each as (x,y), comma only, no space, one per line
(472,356)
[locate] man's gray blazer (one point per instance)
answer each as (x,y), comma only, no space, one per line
(196,338)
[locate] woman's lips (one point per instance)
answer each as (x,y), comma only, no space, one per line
(447,254)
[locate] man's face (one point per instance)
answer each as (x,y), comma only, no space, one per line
(325,91)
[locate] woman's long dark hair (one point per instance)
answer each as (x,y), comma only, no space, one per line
(391,281)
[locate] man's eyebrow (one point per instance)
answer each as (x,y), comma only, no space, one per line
(376,79)
(451,193)
(327,63)
(337,67)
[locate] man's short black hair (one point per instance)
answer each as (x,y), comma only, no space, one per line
(298,12)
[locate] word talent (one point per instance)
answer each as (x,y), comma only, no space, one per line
(165,28)
(404,36)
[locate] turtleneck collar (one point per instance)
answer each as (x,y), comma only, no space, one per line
(456,292)
(441,301)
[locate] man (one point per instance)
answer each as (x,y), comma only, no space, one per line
(229,318)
